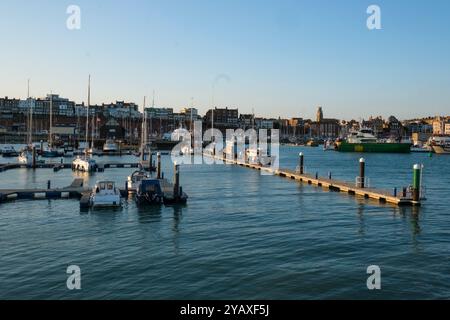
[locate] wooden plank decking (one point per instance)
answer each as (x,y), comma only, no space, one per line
(383,196)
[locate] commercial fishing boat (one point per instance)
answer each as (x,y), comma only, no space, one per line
(364,140)
(105,195)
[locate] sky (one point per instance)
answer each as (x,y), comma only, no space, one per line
(279,58)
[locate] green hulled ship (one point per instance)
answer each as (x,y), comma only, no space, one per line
(365,141)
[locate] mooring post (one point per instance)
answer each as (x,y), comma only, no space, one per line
(362,172)
(126,187)
(317,175)
(176,181)
(329,175)
(42,145)
(49,183)
(395,192)
(34,158)
(416,182)
(301,162)
(158,173)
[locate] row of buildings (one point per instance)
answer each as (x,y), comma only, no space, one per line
(127,117)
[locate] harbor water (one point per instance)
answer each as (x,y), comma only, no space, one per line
(242,235)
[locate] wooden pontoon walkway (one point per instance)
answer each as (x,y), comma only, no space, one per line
(383,196)
(75,190)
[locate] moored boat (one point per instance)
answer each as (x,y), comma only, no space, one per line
(149,191)
(135,179)
(105,195)
(110,146)
(365,141)
(84,164)
(8,151)
(442,149)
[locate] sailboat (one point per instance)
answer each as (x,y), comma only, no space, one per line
(26,154)
(50,151)
(92,149)
(136,177)
(84,163)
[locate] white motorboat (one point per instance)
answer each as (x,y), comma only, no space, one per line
(110,146)
(135,179)
(329,146)
(84,164)
(26,157)
(7,149)
(105,195)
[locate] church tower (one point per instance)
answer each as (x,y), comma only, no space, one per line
(319,114)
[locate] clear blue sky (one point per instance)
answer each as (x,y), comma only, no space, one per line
(282,58)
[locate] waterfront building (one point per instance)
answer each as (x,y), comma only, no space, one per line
(441,126)
(8,105)
(246,121)
(263,123)
(61,106)
(223,117)
(121,110)
(160,113)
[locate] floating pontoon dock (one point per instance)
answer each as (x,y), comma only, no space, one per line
(383,196)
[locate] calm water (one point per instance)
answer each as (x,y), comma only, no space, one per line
(241,236)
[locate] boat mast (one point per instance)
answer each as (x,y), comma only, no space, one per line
(192,106)
(30,115)
(87,115)
(93,127)
(153,108)
(50,138)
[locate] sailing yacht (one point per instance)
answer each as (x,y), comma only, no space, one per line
(26,154)
(50,151)
(83,163)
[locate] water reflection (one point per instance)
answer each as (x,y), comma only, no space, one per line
(149,213)
(360,214)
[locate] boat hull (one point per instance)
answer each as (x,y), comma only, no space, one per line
(374,147)
(441,150)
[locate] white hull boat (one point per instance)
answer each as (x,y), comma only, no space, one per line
(105,195)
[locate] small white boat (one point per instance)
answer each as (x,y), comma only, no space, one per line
(26,157)
(110,146)
(84,164)
(105,195)
(5,149)
(135,179)
(8,151)
(328,146)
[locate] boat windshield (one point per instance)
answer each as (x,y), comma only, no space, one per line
(106,185)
